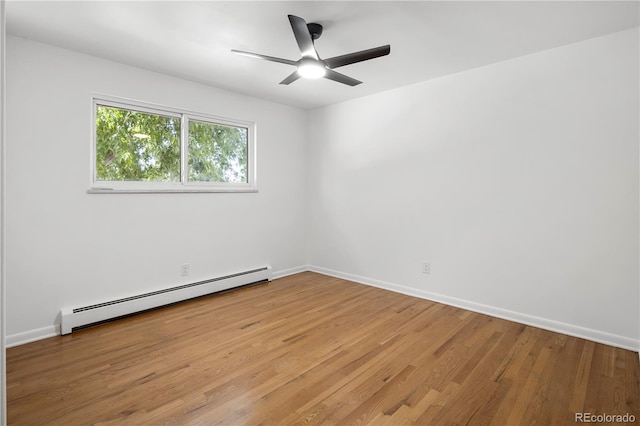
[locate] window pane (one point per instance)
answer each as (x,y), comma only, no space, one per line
(217,153)
(136,146)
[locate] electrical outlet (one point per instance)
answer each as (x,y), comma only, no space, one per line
(426,267)
(184,270)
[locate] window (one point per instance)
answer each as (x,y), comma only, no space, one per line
(144,148)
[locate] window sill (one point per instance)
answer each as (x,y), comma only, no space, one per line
(170,190)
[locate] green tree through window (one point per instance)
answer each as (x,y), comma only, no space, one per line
(217,153)
(136,146)
(168,149)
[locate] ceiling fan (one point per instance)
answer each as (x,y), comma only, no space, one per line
(311,65)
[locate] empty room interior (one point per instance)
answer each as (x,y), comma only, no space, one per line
(324,212)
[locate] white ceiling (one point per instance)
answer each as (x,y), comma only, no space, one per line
(428,39)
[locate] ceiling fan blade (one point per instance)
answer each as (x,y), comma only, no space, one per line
(291,78)
(352,58)
(268,58)
(303,37)
(341,78)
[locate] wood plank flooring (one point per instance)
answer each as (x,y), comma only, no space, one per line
(311,349)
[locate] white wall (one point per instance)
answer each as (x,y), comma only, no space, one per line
(68,248)
(518,181)
(3,363)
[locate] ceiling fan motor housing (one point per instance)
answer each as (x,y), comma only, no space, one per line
(315,30)
(311,65)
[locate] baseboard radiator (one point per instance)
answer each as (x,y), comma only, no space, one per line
(72,318)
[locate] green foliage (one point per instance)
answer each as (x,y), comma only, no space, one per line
(217,153)
(136,146)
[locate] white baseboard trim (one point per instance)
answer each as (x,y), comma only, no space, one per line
(291,271)
(534,321)
(547,324)
(54,330)
(32,335)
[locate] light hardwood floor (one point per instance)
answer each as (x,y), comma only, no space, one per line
(310,349)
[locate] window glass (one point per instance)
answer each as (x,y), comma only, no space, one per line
(136,146)
(141,147)
(217,153)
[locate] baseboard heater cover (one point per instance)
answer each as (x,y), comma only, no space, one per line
(78,317)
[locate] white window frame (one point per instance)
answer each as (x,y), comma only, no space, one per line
(110,187)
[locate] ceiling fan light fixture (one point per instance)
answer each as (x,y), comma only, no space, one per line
(311,66)
(311,69)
